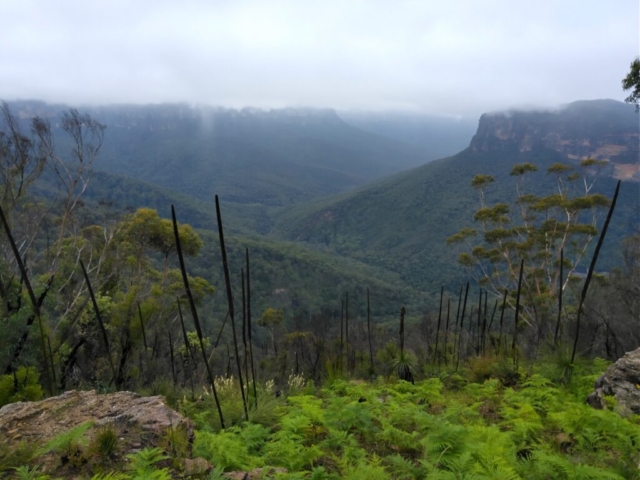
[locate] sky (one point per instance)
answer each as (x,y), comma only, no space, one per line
(444,57)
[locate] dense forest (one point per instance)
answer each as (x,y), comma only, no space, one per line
(338,314)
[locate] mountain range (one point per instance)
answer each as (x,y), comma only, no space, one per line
(337,202)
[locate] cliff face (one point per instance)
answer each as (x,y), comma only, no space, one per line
(176,116)
(600,129)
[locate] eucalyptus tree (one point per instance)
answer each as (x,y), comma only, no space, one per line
(542,230)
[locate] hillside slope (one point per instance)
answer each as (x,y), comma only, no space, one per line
(289,275)
(274,158)
(440,136)
(401,223)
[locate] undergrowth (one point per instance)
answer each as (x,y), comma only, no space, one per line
(447,427)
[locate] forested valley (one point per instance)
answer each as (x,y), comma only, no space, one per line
(322,299)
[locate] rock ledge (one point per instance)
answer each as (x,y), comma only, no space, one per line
(622,381)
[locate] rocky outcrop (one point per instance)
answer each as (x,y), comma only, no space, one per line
(137,421)
(622,381)
(37,422)
(599,129)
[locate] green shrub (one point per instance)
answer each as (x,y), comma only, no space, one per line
(143,464)
(226,449)
(106,441)
(28,388)
(29,473)
(68,445)
(15,455)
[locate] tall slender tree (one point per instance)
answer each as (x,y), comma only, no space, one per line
(341,336)
(244,330)
(464,308)
(194,313)
(560,290)
(249,328)
(346,330)
(103,330)
(504,305)
(227,281)
(435,354)
(369,332)
(35,303)
(514,344)
(592,266)
(446,331)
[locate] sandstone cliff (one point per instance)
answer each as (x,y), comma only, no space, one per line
(601,129)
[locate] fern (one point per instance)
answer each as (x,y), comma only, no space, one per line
(343,414)
(343,446)
(397,439)
(403,469)
(225,449)
(461,466)
(286,449)
(443,441)
(320,473)
(143,465)
(587,472)
(372,470)
(547,465)
(67,443)
(111,476)
(27,473)
(523,422)
(217,473)
(253,436)
(493,451)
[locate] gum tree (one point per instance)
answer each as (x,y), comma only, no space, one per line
(632,82)
(539,229)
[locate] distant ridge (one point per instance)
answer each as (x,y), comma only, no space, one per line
(601,129)
(401,222)
(271,157)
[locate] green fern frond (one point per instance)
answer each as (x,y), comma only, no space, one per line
(143,464)
(111,476)
(29,473)
(403,469)
(67,442)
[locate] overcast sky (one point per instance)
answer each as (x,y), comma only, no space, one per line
(442,57)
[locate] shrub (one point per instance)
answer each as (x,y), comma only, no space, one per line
(68,444)
(28,388)
(106,441)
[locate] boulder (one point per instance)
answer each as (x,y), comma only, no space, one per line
(622,381)
(137,421)
(196,466)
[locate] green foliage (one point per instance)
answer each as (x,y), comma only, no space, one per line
(538,429)
(389,428)
(523,168)
(391,224)
(111,476)
(271,317)
(480,181)
(106,441)
(632,82)
(15,455)
(227,449)
(28,388)
(143,465)
(29,473)
(146,230)
(68,444)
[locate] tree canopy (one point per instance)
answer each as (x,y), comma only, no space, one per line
(632,82)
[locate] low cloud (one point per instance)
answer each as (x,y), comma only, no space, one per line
(460,57)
